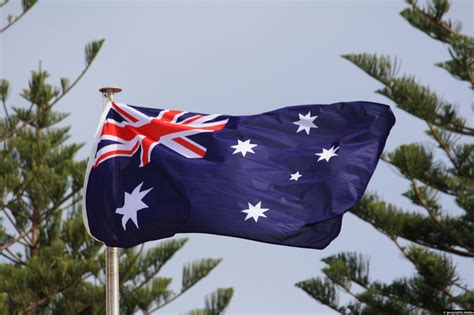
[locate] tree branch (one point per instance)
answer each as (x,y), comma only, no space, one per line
(5,109)
(462,287)
(15,256)
(29,121)
(9,258)
(20,292)
(60,202)
(443,24)
(48,298)
(2,4)
(15,19)
(129,267)
(403,250)
(14,240)
(443,145)
(13,223)
(441,246)
(25,184)
(470,76)
(173,298)
(435,217)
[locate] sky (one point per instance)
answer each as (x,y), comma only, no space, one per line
(240,57)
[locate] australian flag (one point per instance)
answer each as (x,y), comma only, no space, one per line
(284,177)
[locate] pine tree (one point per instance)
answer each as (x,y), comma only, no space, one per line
(427,239)
(49,264)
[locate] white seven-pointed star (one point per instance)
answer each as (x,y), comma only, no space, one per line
(306,122)
(243,147)
(132,204)
(295,176)
(255,212)
(327,154)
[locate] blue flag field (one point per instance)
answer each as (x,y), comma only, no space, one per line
(284,177)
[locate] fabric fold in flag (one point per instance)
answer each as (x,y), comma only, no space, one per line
(283,177)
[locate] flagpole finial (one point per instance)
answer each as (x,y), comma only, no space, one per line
(110,89)
(108,93)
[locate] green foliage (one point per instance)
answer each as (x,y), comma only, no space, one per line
(64,84)
(414,98)
(321,289)
(49,264)
(344,268)
(197,270)
(49,257)
(461,47)
(426,238)
(403,296)
(4,90)
(429,20)
(446,233)
(92,49)
(216,302)
(142,288)
(26,5)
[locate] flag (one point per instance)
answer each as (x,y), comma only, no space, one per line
(284,177)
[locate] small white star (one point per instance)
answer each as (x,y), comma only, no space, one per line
(243,147)
(327,154)
(306,122)
(255,212)
(295,176)
(132,204)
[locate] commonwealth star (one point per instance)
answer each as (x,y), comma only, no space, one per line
(132,204)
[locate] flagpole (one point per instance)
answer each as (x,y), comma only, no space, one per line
(112,293)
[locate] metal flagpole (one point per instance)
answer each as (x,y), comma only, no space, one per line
(112,294)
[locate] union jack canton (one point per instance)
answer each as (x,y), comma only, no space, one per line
(138,130)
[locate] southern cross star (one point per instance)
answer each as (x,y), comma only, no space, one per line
(132,204)
(327,154)
(306,122)
(255,212)
(295,176)
(243,147)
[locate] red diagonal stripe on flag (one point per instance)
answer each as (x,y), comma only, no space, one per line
(116,152)
(124,113)
(190,146)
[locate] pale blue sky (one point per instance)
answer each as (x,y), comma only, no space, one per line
(239,57)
